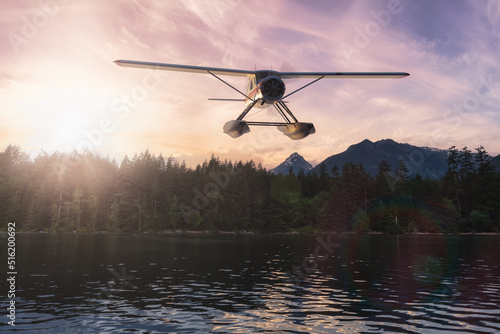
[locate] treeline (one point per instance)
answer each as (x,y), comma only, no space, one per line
(71,192)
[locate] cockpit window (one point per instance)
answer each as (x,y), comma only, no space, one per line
(251,84)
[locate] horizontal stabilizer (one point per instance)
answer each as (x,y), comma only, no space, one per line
(232,100)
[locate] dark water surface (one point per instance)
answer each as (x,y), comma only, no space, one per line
(255,284)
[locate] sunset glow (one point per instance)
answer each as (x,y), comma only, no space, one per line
(60,90)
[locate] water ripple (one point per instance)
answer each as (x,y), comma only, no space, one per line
(199,284)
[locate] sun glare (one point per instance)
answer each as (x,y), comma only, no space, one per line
(63,117)
(65,133)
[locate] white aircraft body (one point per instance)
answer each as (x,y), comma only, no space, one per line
(265,88)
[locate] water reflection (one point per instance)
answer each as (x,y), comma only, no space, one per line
(247,284)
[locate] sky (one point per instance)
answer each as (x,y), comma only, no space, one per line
(60,91)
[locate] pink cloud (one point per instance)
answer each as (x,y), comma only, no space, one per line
(73,52)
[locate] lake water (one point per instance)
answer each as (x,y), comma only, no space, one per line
(198,283)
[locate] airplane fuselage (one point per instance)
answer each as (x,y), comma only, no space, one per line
(265,86)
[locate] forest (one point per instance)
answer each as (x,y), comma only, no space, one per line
(86,192)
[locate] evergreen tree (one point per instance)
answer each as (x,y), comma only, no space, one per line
(174,215)
(467,173)
(335,172)
(451,178)
(467,167)
(486,189)
(384,180)
(453,160)
(87,192)
(323,173)
(401,176)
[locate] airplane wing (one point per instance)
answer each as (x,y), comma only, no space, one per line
(243,73)
(344,75)
(182,68)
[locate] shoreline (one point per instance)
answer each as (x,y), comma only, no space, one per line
(193,232)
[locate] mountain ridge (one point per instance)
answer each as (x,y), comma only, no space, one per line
(424,161)
(294,161)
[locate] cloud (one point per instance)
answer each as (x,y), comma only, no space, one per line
(450,49)
(129,38)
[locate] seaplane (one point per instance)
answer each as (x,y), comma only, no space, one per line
(265,88)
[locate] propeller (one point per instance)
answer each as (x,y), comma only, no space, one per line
(274,87)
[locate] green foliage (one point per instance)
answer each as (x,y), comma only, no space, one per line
(361,221)
(305,230)
(479,222)
(86,192)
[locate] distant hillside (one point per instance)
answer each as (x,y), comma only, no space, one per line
(496,162)
(296,162)
(427,162)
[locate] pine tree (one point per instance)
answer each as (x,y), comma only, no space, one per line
(384,180)
(76,209)
(323,171)
(486,186)
(451,178)
(401,175)
(453,160)
(174,215)
(466,172)
(335,172)
(467,167)
(87,192)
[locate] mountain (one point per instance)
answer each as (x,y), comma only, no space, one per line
(496,162)
(427,162)
(296,161)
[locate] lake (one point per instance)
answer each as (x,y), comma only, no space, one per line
(222,283)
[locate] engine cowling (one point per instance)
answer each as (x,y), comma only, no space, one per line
(272,88)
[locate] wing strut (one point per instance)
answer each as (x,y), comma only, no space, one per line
(247,109)
(280,106)
(236,89)
(295,91)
